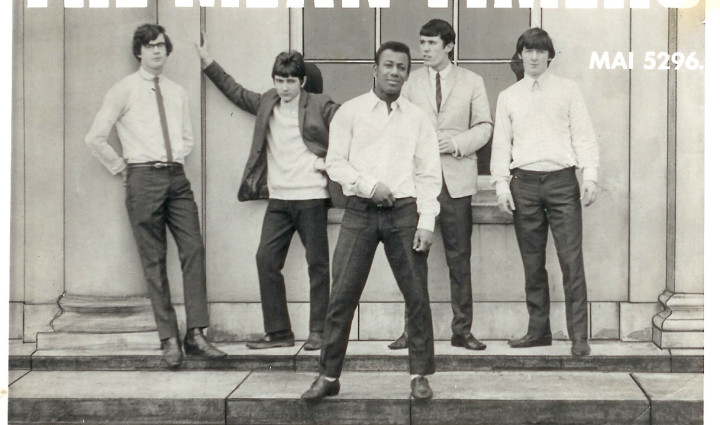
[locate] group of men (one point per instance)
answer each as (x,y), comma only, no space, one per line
(404,154)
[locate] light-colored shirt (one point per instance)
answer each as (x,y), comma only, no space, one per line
(542,125)
(400,149)
(291,165)
(131,106)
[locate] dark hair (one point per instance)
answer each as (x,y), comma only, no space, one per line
(442,29)
(535,38)
(394,46)
(516,65)
(146,33)
(289,64)
(313,79)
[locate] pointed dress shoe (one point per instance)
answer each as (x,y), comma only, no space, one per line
(172,355)
(196,344)
(322,388)
(313,341)
(468,341)
(580,347)
(420,388)
(531,341)
(272,340)
(400,343)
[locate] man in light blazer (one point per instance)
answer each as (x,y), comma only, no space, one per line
(457,103)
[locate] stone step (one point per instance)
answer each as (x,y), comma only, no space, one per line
(610,356)
(265,397)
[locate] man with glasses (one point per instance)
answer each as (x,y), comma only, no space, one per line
(151,114)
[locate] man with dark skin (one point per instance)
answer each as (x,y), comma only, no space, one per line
(384,153)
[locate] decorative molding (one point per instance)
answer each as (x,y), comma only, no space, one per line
(682,322)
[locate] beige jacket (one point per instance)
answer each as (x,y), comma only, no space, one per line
(464,116)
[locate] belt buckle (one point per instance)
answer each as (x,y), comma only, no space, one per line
(160,165)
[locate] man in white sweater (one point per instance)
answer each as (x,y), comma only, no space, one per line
(542,133)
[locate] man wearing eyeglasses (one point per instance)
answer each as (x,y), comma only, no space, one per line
(152,117)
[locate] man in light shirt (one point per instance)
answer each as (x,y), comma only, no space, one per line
(457,104)
(384,153)
(543,132)
(286,165)
(152,118)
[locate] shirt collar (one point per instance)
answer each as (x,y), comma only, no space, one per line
(443,73)
(541,80)
(146,75)
(373,101)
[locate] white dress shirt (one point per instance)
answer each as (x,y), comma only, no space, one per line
(542,125)
(131,106)
(400,149)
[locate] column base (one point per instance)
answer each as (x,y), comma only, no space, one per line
(86,322)
(681,324)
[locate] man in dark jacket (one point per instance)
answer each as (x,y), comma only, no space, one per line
(286,166)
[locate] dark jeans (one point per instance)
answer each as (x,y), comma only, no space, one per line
(156,199)
(282,219)
(364,226)
(456,229)
(541,200)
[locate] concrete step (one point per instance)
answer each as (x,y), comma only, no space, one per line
(610,356)
(264,397)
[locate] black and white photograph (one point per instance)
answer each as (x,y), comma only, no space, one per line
(358,211)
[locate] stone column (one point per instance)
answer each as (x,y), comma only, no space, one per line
(104,302)
(681,323)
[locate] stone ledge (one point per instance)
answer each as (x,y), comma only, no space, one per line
(611,356)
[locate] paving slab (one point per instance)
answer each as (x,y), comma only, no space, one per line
(15,374)
(19,353)
(360,356)
(239,358)
(675,398)
(180,397)
(537,397)
(605,356)
(688,360)
(365,398)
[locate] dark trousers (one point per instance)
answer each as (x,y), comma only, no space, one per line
(364,226)
(282,220)
(541,200)
(156,199)
(456,229)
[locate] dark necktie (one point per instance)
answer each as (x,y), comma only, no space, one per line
(438,91)
(163,119)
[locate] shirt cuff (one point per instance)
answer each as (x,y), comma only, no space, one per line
(502,187)
(456,152)
(590,174)
(119,167)
(366,186)
(426,222)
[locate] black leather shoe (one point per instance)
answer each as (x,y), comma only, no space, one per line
(531,341)
(400,343)
(420,388)
(172,354)
(313,341)
(271,340)
(580,347)
(322,388)
(468,341)
(196,344)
